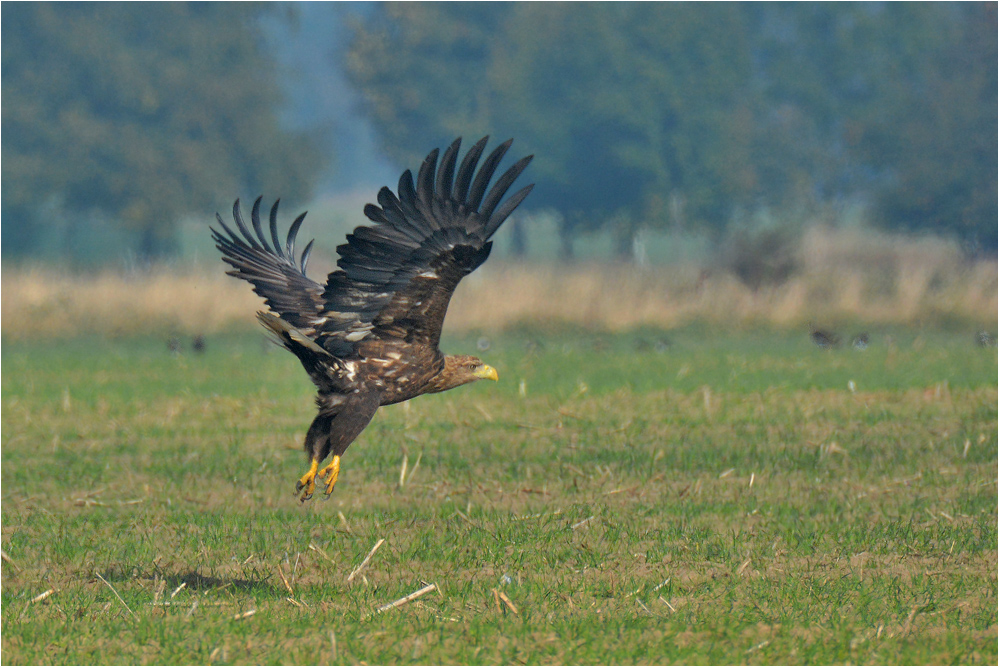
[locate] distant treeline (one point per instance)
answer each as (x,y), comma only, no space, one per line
(697,114)
(122,118)
(688,116)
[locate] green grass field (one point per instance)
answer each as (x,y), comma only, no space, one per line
(688,497)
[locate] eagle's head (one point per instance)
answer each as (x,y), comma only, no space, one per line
(459,370)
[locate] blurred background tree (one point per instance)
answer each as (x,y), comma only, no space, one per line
(691,115)
(622,103)
(420,68)
(901,102)
(139,113)
(933,132)
(699,118)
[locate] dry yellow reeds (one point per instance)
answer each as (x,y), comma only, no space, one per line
(41,302)
(843,276)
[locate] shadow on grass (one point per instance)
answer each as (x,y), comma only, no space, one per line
(249,579)
(198,582)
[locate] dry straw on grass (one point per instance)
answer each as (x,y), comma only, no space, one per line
(843,276)
(406,599)
(364,563)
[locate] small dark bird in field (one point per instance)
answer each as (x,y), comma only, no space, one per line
(198,345)
(369,337)
(860,341)
(986,340)
(822,338)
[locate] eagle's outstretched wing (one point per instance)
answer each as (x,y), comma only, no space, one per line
(396,277)
(273,271)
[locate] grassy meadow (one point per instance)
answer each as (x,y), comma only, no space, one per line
(643,495)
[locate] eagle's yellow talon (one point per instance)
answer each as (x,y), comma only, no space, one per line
(330,474)
(307,482)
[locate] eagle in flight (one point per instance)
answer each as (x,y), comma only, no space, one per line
(369,337)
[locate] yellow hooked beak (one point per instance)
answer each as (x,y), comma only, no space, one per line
(486,372)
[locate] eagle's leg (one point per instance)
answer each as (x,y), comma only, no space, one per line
(308,481)
(331,434)
(317,446)
(330,474)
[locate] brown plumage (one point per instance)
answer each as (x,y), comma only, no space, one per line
(369,337)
